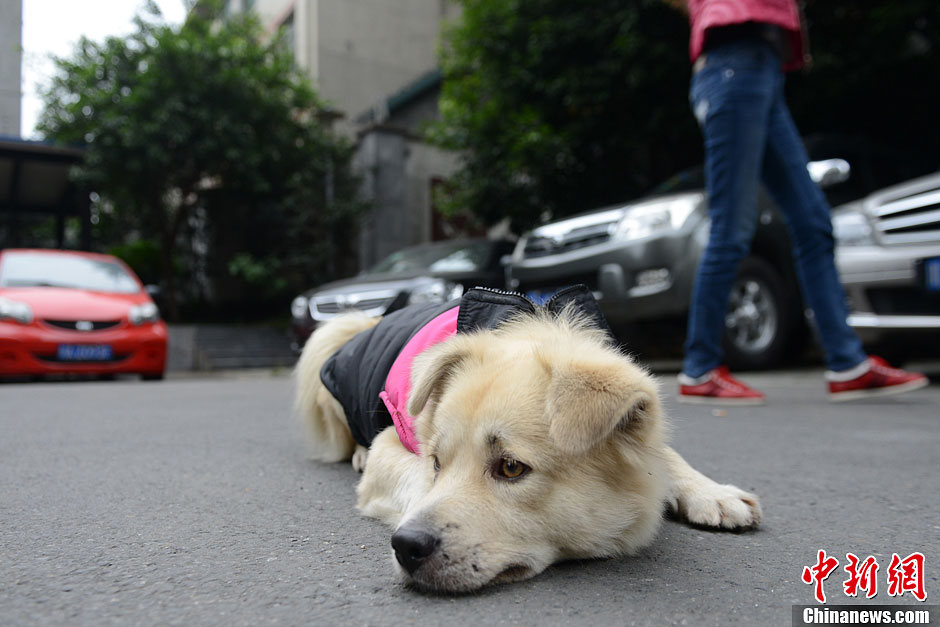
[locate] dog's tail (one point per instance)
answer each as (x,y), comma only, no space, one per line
(322,415)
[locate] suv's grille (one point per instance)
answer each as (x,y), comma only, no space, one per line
(83,325)
(911,218)
(328,306)
(580,237)
(334,307)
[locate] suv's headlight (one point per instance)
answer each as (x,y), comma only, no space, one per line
(299,307)
(649,219)
(145,312)
(15,310)
(851,227)
(436,291)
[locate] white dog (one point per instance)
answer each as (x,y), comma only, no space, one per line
(534,439)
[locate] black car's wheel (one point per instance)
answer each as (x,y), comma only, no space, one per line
(763,318)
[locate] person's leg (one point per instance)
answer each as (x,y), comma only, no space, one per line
(731,98)
(807,214)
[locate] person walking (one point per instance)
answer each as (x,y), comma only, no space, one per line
(740,50)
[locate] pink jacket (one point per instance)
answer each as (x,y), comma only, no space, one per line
(705,14)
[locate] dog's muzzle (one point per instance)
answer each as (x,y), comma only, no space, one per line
(413,546)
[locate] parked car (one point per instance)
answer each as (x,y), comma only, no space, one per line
(435,272)
(68,312)
(640,258)
(888,256)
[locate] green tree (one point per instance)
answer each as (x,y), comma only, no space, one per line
(559,107)
(876,71)
(207,133)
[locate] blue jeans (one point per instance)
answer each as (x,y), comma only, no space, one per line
(738,100)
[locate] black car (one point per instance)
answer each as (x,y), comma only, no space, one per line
(435,272)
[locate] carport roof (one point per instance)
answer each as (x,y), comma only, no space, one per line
(34,177)
(34,182)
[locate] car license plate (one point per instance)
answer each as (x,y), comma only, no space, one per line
(931,268)
(540,296)
(84,352)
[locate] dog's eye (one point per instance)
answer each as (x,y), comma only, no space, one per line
(511,469)
(437,463)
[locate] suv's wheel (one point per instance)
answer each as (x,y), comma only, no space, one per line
(763,317)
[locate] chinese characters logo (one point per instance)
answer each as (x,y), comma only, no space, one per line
(902,575)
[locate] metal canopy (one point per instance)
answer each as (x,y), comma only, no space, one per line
(34,181)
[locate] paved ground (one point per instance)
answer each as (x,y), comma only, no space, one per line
(190,502)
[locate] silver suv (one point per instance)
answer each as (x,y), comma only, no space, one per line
(639,259)
(889,259)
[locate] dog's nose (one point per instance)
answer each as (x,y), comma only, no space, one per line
(413,546)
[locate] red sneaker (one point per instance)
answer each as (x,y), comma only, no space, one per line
(872,378)
(718,388)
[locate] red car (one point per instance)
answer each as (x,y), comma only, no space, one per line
(69,312)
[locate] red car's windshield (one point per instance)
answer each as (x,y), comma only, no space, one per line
(34,269)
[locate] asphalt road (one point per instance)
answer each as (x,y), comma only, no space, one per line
(191,502)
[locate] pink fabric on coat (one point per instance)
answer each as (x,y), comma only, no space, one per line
(705,14)
(398,384)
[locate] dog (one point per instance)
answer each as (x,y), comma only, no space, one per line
(527,437)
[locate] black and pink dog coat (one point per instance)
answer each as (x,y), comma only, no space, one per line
(370,375)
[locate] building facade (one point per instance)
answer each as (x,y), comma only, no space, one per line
(375,62)
(11,35)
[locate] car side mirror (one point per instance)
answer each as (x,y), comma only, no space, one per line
(153,290)
(829,172)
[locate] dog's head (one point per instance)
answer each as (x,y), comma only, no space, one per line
(540,442)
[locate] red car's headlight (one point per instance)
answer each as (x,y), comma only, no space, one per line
(15,310)
(147,312)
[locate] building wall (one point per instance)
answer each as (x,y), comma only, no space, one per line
(358,53)
(11,30)
(397,170)
(384,44)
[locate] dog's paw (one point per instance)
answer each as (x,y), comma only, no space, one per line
(719,506)
(359,458)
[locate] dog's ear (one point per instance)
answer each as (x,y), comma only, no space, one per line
(432,370)
(588,400)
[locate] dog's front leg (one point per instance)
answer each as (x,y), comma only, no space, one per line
(393,479)
(701,501)
(359,457)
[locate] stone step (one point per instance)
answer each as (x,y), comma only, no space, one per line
(253,361)
(217,347)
